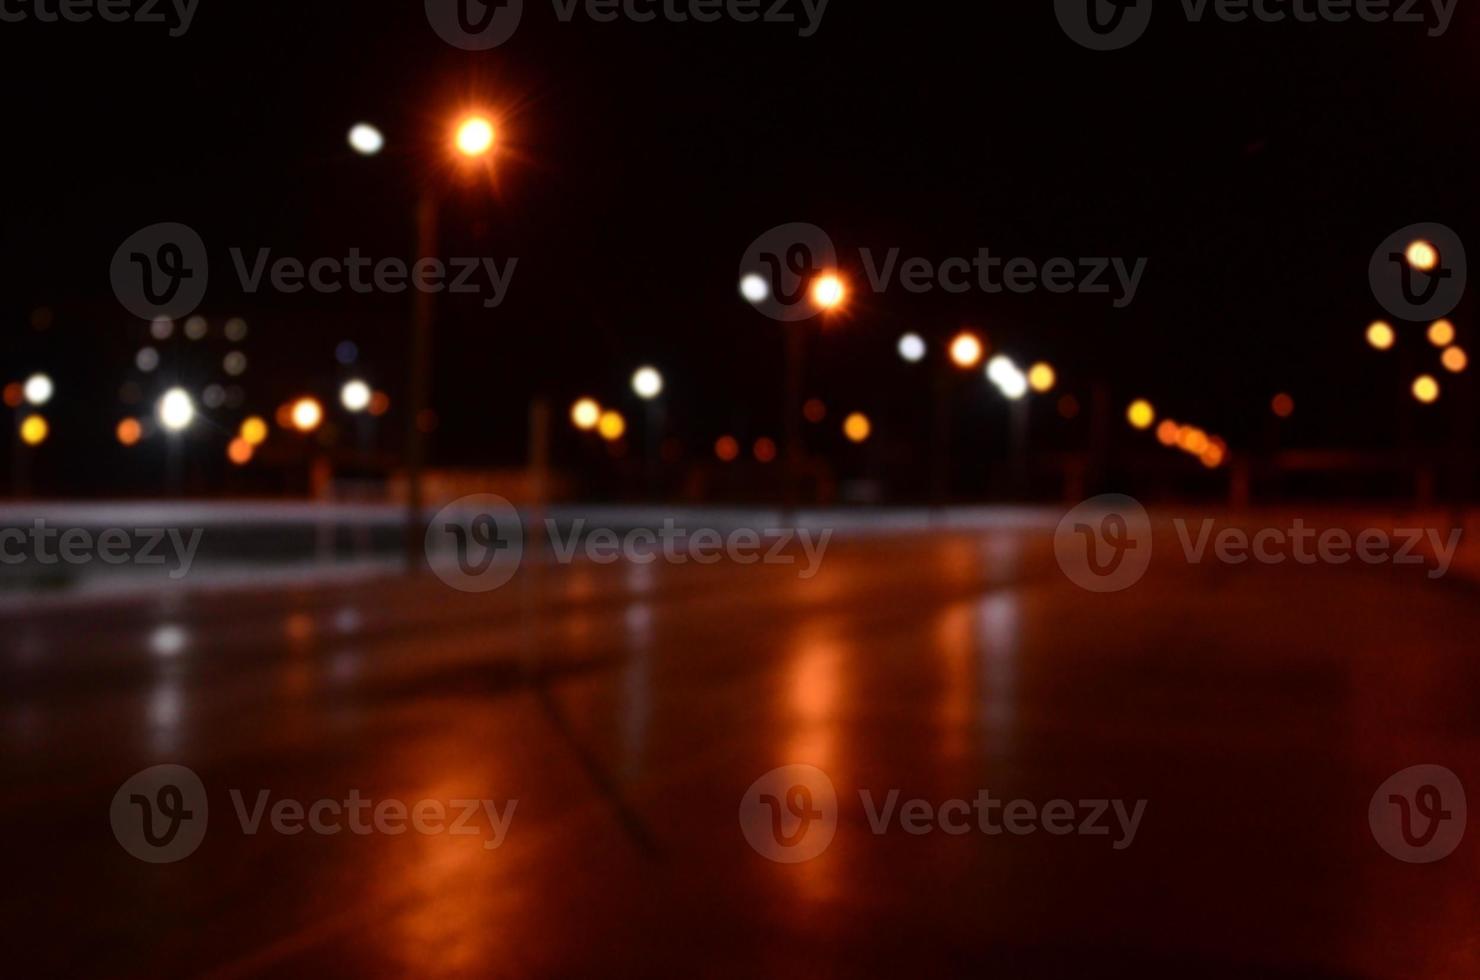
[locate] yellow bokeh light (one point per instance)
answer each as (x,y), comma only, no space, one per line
(1380,335)
(1426,389)
(1140,414)
(307,414)
(611,425)
(475,136)
(1455,360)
(1441,334)
(1423,256)
(1041,377)
(254,431)
(857,427)
(34,430)
(967,350)
(585,414)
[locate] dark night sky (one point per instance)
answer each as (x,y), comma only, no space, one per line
(1255,166)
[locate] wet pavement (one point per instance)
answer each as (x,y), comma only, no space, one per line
(628,709)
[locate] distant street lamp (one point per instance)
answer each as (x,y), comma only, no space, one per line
(857,428)
(1426,389)
(585,414)
(1042,378)
(1455,360)
(647,383)
(1441,334)
(175,410)
(1422,256)
(1140,414)
(829,292)
(912,348)
(967,350)
(34,430)
(38,390)
(1380,336)
(475,136)
(366,140)
(307,414)
(755,289)
(355,396)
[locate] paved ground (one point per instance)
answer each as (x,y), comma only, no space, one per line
(628,709)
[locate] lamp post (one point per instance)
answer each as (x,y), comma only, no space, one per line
(473,141)
(647,384)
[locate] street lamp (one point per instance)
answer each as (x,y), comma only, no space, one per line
(366,140)
(755,289)
(175,410)
(1042,377)
(355,396)
(475,137)
(912,348)
(585,414)
(829,292)
(307,414)
(38,390)
(1380,336)
(1140,414)
(647,383)
(1422,256)
(967,350)
(1441,334)
(1426,389)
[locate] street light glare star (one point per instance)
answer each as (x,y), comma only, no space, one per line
(474,136)
(176,410)
(366,140)
(828,292)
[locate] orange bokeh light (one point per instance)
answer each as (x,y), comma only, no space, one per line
(727,449)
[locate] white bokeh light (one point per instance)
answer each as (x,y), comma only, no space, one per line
(755,289)
(647,383)
(366,140)
(176,410)
(912,348)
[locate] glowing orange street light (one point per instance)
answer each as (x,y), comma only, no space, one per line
(727,449)
(307,414)
(34,430)
(611,425)
(475,137)
(585,414)
(1426,389)
(239,451)
(129,432)
(1441,334)
(967,350)
(1168,432)
(857,427)
(1140,414)
(1455,360)
(829,292)
(1422,256)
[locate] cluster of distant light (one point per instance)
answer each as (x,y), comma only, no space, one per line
(1210,450)
(1381,336)
(966,350)
(28,398)
(1441,334)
